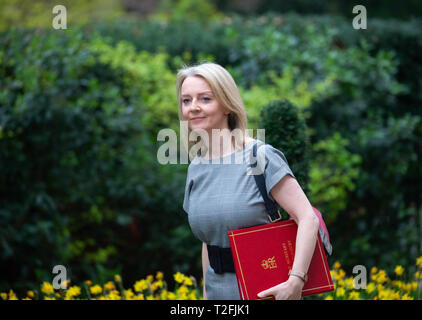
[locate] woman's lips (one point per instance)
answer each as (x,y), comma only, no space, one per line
(198,119)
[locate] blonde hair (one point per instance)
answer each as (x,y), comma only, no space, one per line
(227,94)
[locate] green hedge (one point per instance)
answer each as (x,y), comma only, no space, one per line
(79,116)
(80,185)
(286,130)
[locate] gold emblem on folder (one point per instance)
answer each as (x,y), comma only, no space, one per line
(269,263)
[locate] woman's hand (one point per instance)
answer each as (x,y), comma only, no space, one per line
(289,290)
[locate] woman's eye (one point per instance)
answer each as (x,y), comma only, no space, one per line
(206,99)
(185,101)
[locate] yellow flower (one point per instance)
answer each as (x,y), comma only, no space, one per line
(150,278)
(399,270)
(47,288)
(192,295)
(414,285)
(12,295)
(157,284)
(187,281)
(340,283)
(171,296)
(406,297)
(178,277)
(3,295)
(388,294)
(129,294)
(384,295)
(183,296)
(67,283)
(114,295)
(349,283)
(340,292)
(419,262)
(117,278)
(30,294)
(159,275)
(96,289)
(139,297)
(88,282)
(140,285)
(398,284)
(337,265)
(370,287)
(340,275)
(354,295)
(75,290)
(72,292)
(182,290)
(163,295)
(374,270)
(329,297)
(109,286)
(380,277)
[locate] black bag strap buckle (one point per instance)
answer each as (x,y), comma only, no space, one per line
(275,219)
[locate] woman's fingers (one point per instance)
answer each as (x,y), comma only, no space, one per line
(269,292)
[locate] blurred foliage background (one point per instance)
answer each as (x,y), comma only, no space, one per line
(80,110)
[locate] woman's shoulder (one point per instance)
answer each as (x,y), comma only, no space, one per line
(270,153)
(265,146)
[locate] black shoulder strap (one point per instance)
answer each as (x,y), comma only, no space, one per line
(271,206)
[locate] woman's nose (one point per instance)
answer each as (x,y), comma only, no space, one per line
(195,104)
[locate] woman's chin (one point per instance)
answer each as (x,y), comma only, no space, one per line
(198,127)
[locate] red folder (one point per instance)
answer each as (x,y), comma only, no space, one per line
(263,256)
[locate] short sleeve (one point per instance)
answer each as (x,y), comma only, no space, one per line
(188,187)
(276,167)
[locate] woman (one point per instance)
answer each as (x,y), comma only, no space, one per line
(220,197)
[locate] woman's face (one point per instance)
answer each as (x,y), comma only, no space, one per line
(200,107)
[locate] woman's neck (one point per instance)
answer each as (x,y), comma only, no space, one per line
(221,146)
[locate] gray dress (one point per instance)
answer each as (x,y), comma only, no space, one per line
(222,197)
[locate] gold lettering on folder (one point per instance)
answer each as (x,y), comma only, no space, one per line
(269,263)
(286,253)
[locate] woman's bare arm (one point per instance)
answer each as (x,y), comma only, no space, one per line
(288,193)
(291,197)
(205,264)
